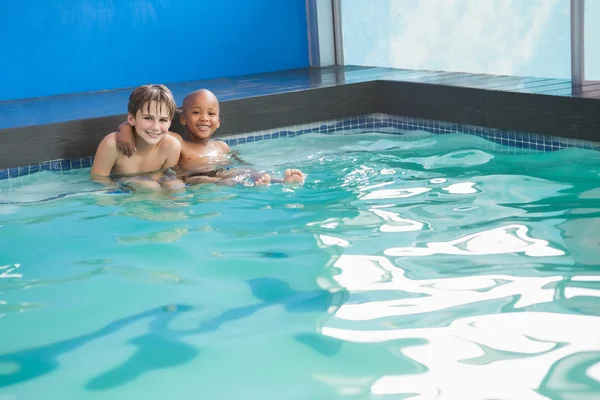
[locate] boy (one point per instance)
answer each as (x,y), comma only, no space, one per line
(202,159)
(149,113)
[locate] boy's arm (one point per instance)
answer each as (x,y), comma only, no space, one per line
(173,151)
(225,149)
(237,158)
(105,159)
(125,140)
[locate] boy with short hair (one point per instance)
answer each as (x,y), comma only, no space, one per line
(202,159)
(150,111)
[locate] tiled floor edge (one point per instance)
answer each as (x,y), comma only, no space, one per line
(392,124)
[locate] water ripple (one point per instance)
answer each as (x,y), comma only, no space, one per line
(416,266)
(507,353)
(507,239)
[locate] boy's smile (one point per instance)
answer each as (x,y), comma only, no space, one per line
(201,115)
(151,123)
(153,135)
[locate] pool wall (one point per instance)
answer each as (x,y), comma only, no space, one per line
(268,102)
(499,140)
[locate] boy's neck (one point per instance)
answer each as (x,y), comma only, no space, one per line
(195,140)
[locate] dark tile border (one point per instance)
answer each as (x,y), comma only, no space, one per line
(568,117)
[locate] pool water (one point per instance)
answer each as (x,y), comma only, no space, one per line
(413,266)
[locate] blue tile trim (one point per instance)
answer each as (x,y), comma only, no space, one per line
(13,172)
(390,124)
(86,162)
(393,124)
(54,166)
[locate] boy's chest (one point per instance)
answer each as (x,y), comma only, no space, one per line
(137,164)
(190,152)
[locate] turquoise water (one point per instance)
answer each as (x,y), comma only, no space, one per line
(418,266)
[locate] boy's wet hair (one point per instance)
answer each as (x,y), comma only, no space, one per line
(144,95)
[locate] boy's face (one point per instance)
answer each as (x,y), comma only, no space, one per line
(151,123)
(201,115)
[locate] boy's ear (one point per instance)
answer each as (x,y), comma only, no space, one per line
(131,119)
(182,119)
(218,123)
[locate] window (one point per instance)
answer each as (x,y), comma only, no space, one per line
(518,37)
(591,31)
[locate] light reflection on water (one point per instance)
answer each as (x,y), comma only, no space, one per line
(494,241)
(503,355)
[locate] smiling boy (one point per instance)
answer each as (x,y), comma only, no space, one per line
(150,111)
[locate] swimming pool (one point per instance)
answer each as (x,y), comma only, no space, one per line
(410,266)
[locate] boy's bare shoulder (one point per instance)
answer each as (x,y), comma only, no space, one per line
(109,141)
(107,156)
(176,136)
(170,143)
(222,146)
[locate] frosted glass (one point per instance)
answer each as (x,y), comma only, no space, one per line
(508,37)
(592,40)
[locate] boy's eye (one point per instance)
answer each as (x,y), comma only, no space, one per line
(195,112)
(148,118)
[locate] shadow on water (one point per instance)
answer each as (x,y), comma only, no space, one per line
(162,347)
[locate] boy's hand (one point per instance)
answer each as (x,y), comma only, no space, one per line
(125,140)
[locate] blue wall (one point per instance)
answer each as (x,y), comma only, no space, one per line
(52,47)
